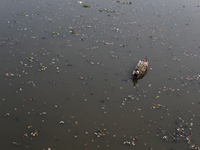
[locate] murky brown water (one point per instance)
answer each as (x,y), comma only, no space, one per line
(86,82)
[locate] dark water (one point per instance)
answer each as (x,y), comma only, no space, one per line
(87,82)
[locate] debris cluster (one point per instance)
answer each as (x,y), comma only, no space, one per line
(131,141)
(183,132)
(100,133)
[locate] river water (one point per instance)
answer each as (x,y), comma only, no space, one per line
(66,74)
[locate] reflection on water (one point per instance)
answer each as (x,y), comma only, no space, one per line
(135,81)
(66,74)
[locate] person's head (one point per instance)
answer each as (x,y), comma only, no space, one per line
(136,72)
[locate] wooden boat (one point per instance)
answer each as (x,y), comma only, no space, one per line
(140,69)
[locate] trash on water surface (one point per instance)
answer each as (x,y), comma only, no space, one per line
(6,115)
(100,133)
(62,122)
(12,75)
(43,113)
(25,135)
(183,131)
(17,144)
(36,132)
(55,34)
(86,6)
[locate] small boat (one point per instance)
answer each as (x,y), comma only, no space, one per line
(140,69)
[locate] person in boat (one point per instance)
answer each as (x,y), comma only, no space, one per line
(136,73)
(141,67)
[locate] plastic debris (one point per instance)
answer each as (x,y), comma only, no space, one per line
(36,132)
(62,122)
(183,131)
(6,115)
(99,133)
(12,75)
(158,106)
(43,113)
(17,144)
(32,99)
(131,142)
(25,135)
